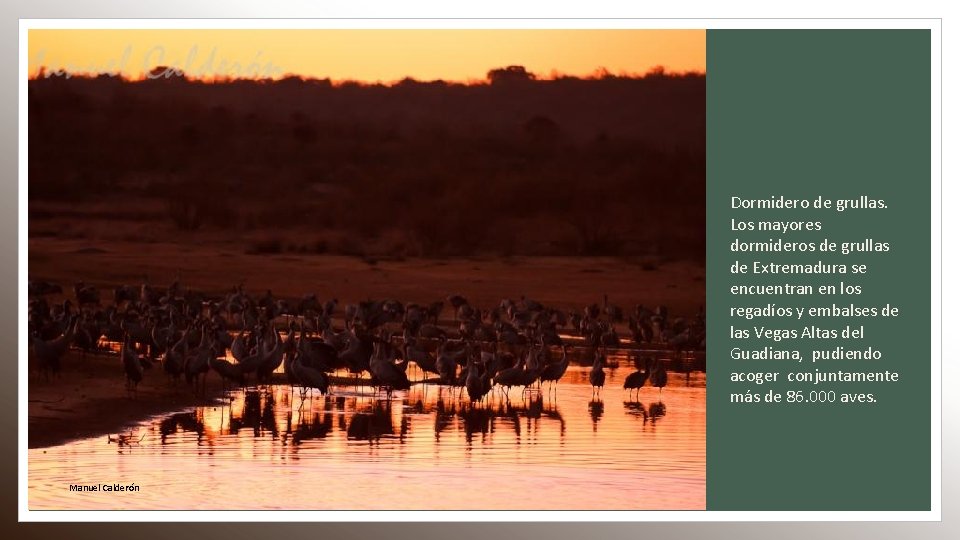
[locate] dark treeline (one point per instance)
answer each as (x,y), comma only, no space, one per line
(611,165)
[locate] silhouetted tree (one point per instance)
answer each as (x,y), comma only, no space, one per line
(509,74)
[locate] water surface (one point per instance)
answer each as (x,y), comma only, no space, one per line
(425,449)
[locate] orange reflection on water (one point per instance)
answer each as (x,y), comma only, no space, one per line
(423,449)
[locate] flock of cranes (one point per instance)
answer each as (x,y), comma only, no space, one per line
(189,334)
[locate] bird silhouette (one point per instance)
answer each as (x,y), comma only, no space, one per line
(198,363)
(510,377)
(420,356)
(532,369)
(309,377)
(174,358)
(597,375)
(227,371)
(637,379)
(658,377)
(474,383)
(554,371)
(446,364)
(132,367)
(384,371)
(47,354)
(272,358)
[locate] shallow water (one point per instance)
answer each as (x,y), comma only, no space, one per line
(420,449)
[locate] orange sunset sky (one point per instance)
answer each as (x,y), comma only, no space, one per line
(365,55)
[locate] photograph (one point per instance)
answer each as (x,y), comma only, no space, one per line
(366,269)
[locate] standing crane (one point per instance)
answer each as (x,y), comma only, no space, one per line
(637,379)
(597,375)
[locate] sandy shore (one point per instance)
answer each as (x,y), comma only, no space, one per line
(562,282)
(88,398)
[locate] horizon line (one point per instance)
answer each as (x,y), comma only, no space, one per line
(161,73)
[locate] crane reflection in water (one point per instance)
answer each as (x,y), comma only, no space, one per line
(422,448)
